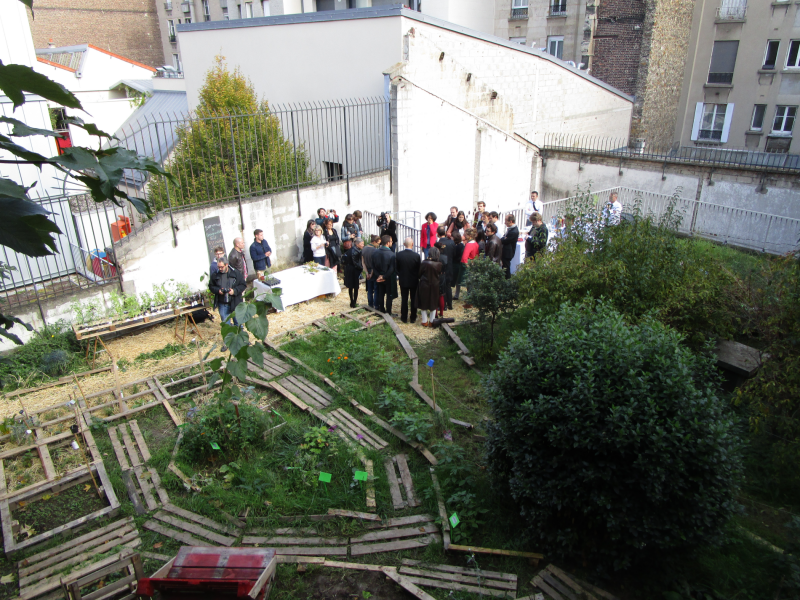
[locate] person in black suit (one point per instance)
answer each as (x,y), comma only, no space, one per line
(384,272)
(509,241)
(408,263)
(447,248)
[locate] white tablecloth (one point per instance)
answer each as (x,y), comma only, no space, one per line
(519,257)
(297,285)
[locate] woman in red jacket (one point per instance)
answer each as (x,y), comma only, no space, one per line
(428,235)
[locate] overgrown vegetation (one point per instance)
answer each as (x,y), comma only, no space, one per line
(489,292)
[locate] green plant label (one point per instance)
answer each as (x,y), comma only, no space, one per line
(325,477)
(214,445)
(454,520)
(360,475)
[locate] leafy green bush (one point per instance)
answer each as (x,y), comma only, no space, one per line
(610,437)
(640,266)
(489,292)
(52,351)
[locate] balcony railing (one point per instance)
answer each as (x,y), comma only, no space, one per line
(733,11)
(519,13)
(558,10)
(167,5)
(186,7)
(725,78)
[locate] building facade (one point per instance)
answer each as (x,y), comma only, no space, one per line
(741,83)
(126,27)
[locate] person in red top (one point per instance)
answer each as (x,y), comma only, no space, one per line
(471,250)
(428,236)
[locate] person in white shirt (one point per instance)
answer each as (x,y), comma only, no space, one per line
(318,245)
(533,205)
(614,209)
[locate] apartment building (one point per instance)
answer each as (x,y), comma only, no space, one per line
(741,84)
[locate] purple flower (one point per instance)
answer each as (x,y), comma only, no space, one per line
(359,437)
(331,429)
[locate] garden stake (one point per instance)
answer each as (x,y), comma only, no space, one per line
(78,383)
(202,364)
(74,429)
(433,387)
(122,406)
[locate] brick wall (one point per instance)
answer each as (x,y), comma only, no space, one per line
(125,27)
(618,43)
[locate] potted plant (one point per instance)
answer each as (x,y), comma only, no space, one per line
(132,306)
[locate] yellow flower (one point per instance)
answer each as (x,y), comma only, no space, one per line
(331,372)
(345,358)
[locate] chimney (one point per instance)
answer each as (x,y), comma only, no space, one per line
(50,44)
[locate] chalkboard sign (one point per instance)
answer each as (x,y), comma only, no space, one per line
(214,238)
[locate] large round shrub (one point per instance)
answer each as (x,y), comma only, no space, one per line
(611,437)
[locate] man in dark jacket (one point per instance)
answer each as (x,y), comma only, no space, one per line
(509,241)
(384,272)
(493,248)
(236,257)
(408,263)
(389,228)
(227,286)
(260,252)
(366,259)
(447,248)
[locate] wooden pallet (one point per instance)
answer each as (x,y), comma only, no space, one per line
(559,585)
(272,367)
(41,573)
(307,391)
(302,541)
(396,432)
(132,455)
(126,561)
(356,430)
(397,535)
(401,482)
(442,509)
(186,524)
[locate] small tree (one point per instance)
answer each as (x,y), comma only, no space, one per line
(489,292)
(611,437)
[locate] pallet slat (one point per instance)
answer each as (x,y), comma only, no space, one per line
(195,529)
(361,549)
(175,535)
(199,519)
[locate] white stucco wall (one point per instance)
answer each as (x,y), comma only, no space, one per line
(473,14)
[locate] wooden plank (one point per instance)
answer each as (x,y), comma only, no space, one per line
(567,579)
(474,579)
(147,489)
(395,432)
(407,585)
(455,338)
(171,412)
(542,585)
(368,467)
(562,589)
(293,558)
(133,493)
(314,388)
(399,335)
(46,554)
(175,535)
(182,477)
(304,396)
(391,534)
(294,531)
(289,396)
(408,483)
(478,550)
(462,570)
(469,362)
(162,493)
(394,489)
(155,556)
(427,399)
(335,419)
(299,362)
(376,441)
(593,588)
(71,549)
(199,519)
(195,529)
(47,462)
(269,572)
(302,550)
(295,541)
(452,585)
(60,381)
(401,521)
(361,549)
(164,393)
(440,502)
(112,588)
(131,449)
(47,535)
(137,435)
(266,372)
(336,564)
(336,512)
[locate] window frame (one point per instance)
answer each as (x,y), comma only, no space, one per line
(796,45)
(764,64)
(699,113)
(782,132)
(556,39)
(516,40)
(265,8)
(756,107)
(729,44)
(171,29)
(718,114)
(517,4)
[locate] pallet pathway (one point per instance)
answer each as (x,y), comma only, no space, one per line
(559,585)
(319,325)
(355,429)
(302,541)
(307,391)
(490,583)
(393,465)
(41,573)
(128,454)
(397,535)
(126,561)
(463,351)
(184,525)
(396,432)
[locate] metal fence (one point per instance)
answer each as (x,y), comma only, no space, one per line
(704,155)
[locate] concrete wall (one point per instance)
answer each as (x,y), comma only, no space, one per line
(473,14)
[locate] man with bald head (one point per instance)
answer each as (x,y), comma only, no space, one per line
(408,262)
(237,258)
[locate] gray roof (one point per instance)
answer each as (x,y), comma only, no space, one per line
(397,10)
(140,85)
(67,56)
(152,130)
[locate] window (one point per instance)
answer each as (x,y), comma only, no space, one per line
(558,8)
(784,120)
(187,20)
(757,122)
(171,29)
(225,16)
(732,10)
(206,10)
(358,4)
(712,122)
(265,8)
(771,54)
(325,5)
(793,58)
(176,62)
(333,170)
(248,10)
(519,9)
(723,60)
(555,45)
(518,40)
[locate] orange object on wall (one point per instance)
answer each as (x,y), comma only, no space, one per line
(120,228)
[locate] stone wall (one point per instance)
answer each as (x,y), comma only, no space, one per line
(126,27)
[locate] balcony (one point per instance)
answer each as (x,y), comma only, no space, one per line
(720,78)
(186,7)
(518,14)
(167,5)
(732,11)
(173,39)
(558,10)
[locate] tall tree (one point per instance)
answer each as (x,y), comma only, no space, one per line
(233,145)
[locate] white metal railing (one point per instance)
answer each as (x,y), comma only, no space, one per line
(732,10)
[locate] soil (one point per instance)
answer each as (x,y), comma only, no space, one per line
(345,585)
(43,515)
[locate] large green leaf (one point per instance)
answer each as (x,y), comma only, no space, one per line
(23,130)
(238,368)
(244,312)
(15,80)
(28,3)
(25,227)
(7,322)
(236,341)
(256,354)
(90,128)
(25,154)
(12,189)
(259,327)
